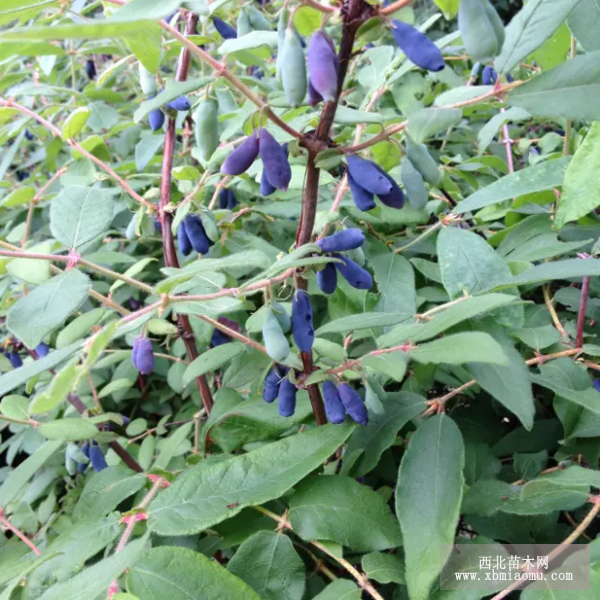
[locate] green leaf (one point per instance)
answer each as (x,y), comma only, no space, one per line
(340,509)
(105,490)
(31,270)
(182,574)
(461,348)
(530,28)
(385,568)
(393,364)
(270,565)
(15,378)
(340,589)
(565,91)
(132,271)
(211,360)
(69,430)
(79,215)
(56,392)
(345,115)
(75,123)
(14,407)
(422,124)
(509,384)
(361,321)
(560,269)
(428,499)
(444,319)
(97,577)
(250,41)
(583,22)
(543,176)
(18,478)
(381,431)
(34,316)
(396,282)
(490,129)
(19,196)
(582,181)
(235,483)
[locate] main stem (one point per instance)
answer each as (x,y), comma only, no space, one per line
(170,253)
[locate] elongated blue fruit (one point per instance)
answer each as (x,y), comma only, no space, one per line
(275,162)
(286,404)
(395,198)
(327,279)
(231,200)
(185,246)
(218,338)
(156,119)
(29,135)
(271,388)
(417,46)
(354,274)
(364,200)
(353,404)
(15,360)
(97,459)
(223,198)
(367,175)
(42,349)
(596,384)
(489,75)
(225,30)
(242,157)
(293,68)
(142,356)
(200,242)
(347,239)
(180,104)
(334,408)
(302,321)
(323,65)
(86,449)
(90,69)
(266,189)
(313,96)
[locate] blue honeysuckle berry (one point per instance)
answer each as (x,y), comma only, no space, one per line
(21,175)
(596,384)
(271,386)
(15,359)
(313,96)
(29,135)
(223,197)
(363,200)
(180,104)
(417,46)
(334,407)
(200,242)
(90,69)
(395,199)
(225,30)
(97,459)
(367,175)
(353,404)
(276,166)
(347,239)
(42,349)
(218,338)
(286,403)
(327,279)
(489,75)
(240,160)
(354,274)
(142,355)
(185,246)
(231,200)
(156,119)
(322,65)
(302,323)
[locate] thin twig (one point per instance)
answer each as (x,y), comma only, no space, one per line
(585,289)
(550,306)
(4,522)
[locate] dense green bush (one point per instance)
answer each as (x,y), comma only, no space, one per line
(294,297)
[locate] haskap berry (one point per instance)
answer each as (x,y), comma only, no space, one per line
(240,160)
(271,387)
(275,162)
(302,321)
(596,384)
(286,403)
(489,75)
(181,104)
(327,279)
(323,65)
(313,96)
(90,69)
(29,135)
(42,349)
(156,119)
(223,198)
(367,174)
(395,198)
(353,404)
(362,199)
(231,200)
(417,46)
(185,246)
(225,30)
(334,408)
(347,239)
(142,356)
(354,274)
(97,459)
(15,360)
(200,242)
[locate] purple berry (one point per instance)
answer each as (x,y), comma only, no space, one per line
(271,388)
(200,242)
(97,459)
(223,198)
(367,174)
(15,360)
(327,279)
(395,199)
(286,404)
(302,323)
(266,189)
(218,338)
(347,239)
(86,449)
(323,65)
(313,96)
(596,384)
(275,163)
(42,349)
(225,30)
(354,274)
(362,199)
(353,404)
(242,157)
(90,69)
(29,135)
(142,355)
(334,408)
(231,200)
(185,246)
(489,75)
(417,46)
(156,119)
(180,104)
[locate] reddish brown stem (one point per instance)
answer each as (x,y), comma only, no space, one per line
(585,288)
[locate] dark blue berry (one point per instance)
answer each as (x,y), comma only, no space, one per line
(353,404)
(417,46)
(302,324)
(334,408)
(348,239)
(327,279)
